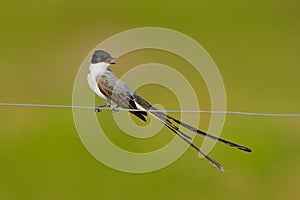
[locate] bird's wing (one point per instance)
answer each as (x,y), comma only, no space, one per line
(119,93)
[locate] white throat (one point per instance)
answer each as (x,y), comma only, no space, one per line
(95,71)
(98,68)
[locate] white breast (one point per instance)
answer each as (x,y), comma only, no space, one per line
(95,71)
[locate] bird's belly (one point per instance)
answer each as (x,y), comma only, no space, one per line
(94,86)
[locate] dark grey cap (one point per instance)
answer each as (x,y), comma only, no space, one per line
(101,56)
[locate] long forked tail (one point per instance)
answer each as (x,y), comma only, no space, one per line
(195,130)
(167,121)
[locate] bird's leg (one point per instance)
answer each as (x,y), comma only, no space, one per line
(100,108)
(105,107)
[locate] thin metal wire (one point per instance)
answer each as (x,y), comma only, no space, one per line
(46,105)
(170,111)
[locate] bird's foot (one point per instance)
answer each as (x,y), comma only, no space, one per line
(99,108)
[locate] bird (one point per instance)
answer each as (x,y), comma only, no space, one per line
(105,84)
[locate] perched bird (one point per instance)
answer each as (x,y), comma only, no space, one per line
(117,94)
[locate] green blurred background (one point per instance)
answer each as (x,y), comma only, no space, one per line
(256,46)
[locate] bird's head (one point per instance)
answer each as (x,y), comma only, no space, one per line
(101,56)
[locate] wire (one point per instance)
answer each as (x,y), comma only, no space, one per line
(170,111)
(47,105)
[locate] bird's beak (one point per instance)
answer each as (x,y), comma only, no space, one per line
(111,61)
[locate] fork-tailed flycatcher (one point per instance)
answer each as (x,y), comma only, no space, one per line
(117,94)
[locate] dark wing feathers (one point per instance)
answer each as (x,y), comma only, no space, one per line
(139,114)
(122,98)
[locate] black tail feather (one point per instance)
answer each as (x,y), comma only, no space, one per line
(139,114)
(246,149)
(186,138)
(212,161)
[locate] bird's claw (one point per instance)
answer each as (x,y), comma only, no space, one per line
(99,108)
